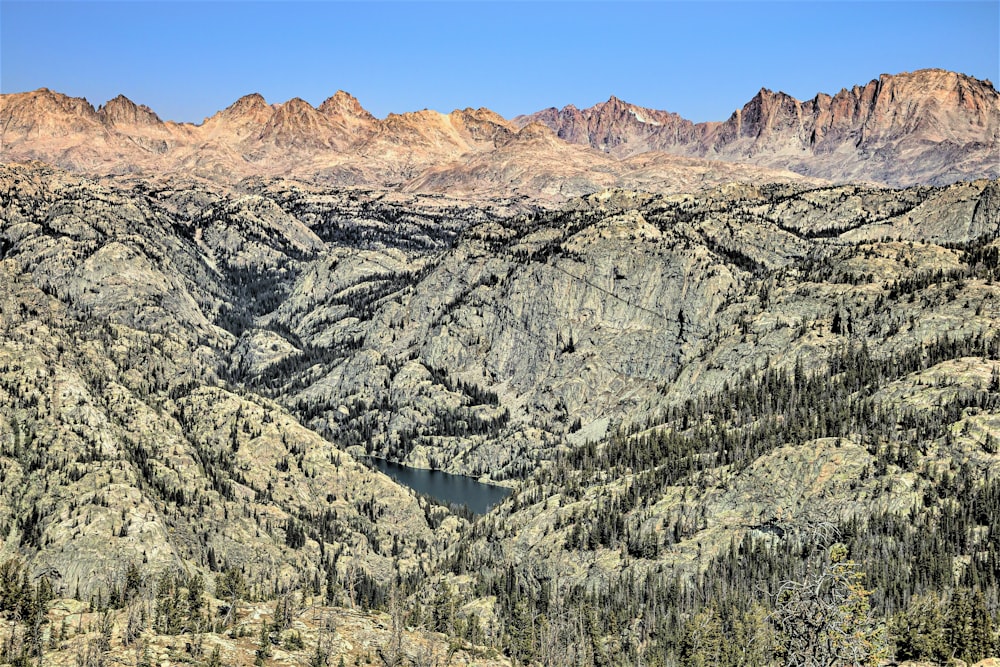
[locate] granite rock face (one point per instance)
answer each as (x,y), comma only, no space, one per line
(598,312)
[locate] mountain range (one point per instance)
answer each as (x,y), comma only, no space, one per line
(929,126)
(741,380)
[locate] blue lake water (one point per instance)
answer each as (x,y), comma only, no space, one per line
(445,487)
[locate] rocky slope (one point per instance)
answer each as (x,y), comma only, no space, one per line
(306,632)
(121,440)
(929,126)
(573,319)
(537,165)
(466,339)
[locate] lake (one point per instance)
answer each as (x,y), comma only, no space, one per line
(445,487)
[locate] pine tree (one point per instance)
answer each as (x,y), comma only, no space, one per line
(264,645)
(920,630)
(443,609)
(703,640)
(969,628)
(827,617)
(520,632)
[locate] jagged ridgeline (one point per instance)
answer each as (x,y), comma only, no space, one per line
(702,402)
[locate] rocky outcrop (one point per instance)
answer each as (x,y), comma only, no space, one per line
(336,303)
(623,299)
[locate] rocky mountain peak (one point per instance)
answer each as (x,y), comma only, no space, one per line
(244,117)
(297,104)
(482,113)
(252,105)
(769,112)
(950,90)
(410,123)
(344,105)
(296,123)
(52,100)
(481,124)
(535,132)
(296,112)
(43,112)
(123,111)
(923,107)
(614,107)
(614,126)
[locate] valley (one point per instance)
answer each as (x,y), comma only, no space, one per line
(698,384)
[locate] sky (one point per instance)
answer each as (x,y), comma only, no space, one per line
(187,59)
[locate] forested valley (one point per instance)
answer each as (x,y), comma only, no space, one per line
(757,425)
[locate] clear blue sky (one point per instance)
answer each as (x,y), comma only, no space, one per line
(188,59)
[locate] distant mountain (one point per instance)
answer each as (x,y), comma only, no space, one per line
(930,126)
(616,127)
(537,164)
